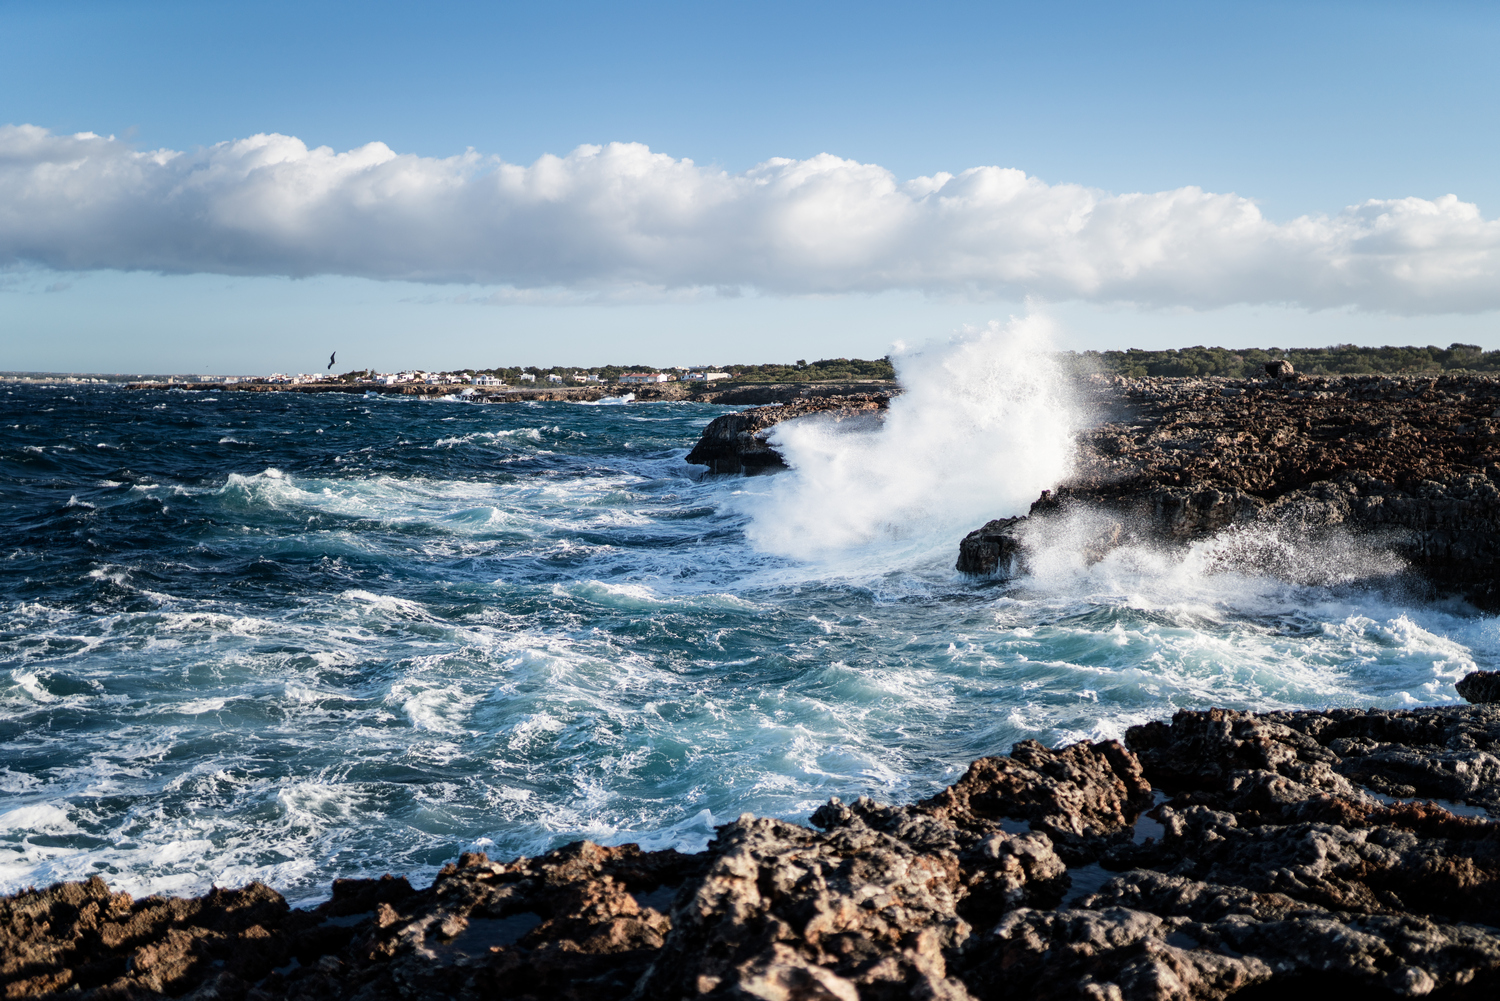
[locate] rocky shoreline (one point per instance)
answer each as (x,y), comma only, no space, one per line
(1411,465)
(1222,854)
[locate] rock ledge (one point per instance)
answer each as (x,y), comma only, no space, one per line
(1223,854)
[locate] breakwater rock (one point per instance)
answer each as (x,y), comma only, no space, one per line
(1412,463)
(737,443)
(1222,854)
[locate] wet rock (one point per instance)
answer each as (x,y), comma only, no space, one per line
(1412,464)
(993,547)
(1480,686)
(737,443)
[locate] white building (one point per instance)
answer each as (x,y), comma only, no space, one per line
(487,380)
(637,378)
(705,376)
(527,377)
(554,377)
(584,377)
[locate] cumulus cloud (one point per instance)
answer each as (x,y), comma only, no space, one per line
(623,217)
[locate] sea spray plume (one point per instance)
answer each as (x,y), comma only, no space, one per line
(984,425)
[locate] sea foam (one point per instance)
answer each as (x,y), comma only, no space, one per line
(984,424)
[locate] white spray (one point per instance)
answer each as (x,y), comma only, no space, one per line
(984,425)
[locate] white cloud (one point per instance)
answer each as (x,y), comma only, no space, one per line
(620,217)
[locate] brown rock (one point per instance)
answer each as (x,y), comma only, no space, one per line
(1292,854)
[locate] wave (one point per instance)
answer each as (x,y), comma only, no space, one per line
(984,424)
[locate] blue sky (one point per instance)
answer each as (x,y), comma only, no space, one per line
(1303,108)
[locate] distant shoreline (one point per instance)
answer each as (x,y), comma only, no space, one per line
(728,393)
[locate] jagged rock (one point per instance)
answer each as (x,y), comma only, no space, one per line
(1150,936)
(1290,855)
(82,939)
(990,548)
(784,912)
(736,443)
(1280,369)
(1411,463)
(1480,686)
(1084,797)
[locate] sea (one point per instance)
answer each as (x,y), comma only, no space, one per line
(296,637)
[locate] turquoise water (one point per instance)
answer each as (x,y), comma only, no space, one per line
(290,638)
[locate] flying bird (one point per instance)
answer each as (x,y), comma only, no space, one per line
(330,360)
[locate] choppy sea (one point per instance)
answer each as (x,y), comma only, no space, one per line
(292,638)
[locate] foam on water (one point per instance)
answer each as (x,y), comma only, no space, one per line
(984,425)
(294,656)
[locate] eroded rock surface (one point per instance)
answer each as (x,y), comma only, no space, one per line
(1222,854)
(1412,463)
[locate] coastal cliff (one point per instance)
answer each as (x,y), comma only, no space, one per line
(1222,854)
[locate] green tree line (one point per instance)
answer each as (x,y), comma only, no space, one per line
(1241,363)
(1340,359)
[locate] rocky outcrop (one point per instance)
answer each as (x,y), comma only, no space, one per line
(1480,686)
(1222,854)
(737,443)
(1413,463)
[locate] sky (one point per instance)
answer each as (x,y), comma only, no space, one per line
(242,188)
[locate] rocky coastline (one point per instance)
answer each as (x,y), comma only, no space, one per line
(1221,854)
(1411,465)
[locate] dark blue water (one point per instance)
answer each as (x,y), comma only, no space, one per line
(292,637)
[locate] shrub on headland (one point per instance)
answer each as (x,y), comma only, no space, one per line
(825,370)
(1236,363)
(1244,363)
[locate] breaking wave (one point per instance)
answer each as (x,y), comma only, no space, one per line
(299,656)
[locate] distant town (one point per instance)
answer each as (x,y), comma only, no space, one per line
(823,370)
(501,377)
(827,369)
(1241,363)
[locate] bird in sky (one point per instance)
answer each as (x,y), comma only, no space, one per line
(330,360)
